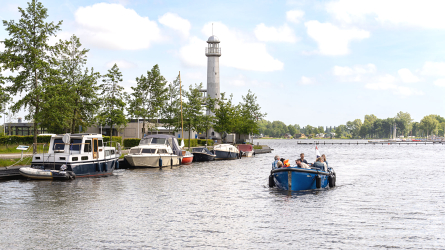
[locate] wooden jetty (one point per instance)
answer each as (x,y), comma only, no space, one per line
(10,172)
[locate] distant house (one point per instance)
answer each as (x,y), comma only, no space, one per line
(287,136)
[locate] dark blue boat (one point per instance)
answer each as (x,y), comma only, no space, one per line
(296,179)
(202,154)
(226,152)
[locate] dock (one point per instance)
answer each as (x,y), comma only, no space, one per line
(10,172)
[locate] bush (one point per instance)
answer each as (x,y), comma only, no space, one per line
(131,142)
(23,139)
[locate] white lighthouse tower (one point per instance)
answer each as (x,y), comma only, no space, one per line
(213,52)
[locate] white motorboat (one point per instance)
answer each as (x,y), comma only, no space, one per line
(155,151)
(73,155)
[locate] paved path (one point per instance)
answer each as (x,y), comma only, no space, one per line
(14,156)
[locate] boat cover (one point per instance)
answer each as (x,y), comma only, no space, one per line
(175,145)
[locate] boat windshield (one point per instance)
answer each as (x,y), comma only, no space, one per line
(148,141)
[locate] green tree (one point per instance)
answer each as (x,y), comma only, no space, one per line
(171,110)
(403,123)
(27,52)
(225,114)
(354,127)
(148,96)
(193,109)
(113,94)
(429,123)
(338,132)
(250,114)
(292,130)
(77,106)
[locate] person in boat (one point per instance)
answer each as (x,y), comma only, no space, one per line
(276,160)
(279,164)
(324,159)
(302,158)
(320,162)
(286,163)
(301,164)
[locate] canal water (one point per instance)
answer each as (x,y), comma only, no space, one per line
(387,196)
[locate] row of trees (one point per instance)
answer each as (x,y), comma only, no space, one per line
(371,127)
(63,95)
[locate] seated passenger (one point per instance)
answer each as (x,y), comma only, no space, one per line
(320,164)
(302,158)
(286,163)
(324,159)
(301,164)
(274,164)
(279,164)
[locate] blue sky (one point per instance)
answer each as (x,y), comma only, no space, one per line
(321,63)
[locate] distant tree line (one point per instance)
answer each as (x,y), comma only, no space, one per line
(63,95)
(371,127)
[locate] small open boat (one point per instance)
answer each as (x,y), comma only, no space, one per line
(246,150)
(297,179)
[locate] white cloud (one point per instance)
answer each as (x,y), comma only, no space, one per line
(332,40)
(354,74)
(425,14)
(440,82)
(306,80)
(388,82)
(294,16)
(407,76)
(236,51)
(433,69)
(176,22)
(122,64)
(272,34)
(112,26)
(60,36)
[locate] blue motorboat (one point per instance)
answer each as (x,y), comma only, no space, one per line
(297,179)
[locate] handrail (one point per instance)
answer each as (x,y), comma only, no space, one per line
(302,170)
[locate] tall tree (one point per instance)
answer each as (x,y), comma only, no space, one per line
(171,110)
(27,52)
(404,122)
(113,97)
(429,123)
(193,108)
(250,114)
(148,96)
(225,115)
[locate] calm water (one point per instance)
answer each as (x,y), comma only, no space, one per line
(387,196)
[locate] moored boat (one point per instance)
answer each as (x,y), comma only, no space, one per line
(202,154)
(155,151)
(70,156)
(187,157)
(246,150)
(297,179)
(226,152)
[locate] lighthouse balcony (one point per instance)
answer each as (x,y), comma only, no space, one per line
(212,51)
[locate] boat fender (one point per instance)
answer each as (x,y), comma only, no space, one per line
(171,162)
(98,168)
(271,181)
(160,162)
(318,181)
(105,167)
(117,164)
(331,181)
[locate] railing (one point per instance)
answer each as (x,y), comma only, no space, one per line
(213,51)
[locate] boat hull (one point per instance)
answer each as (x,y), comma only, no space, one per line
(199,157)
(247,154)
(224,155)
(187,160)
(51,171)
(297,179)
(152,161)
